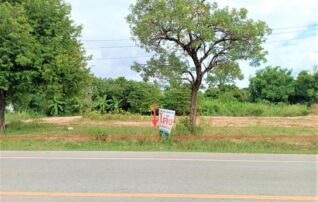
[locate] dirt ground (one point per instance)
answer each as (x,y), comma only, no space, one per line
(216,121)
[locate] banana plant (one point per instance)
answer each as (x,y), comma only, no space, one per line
(57,107)
(103,104)
(115,104)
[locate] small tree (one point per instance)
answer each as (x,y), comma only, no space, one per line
(273,84)
(196,33)
(306,88)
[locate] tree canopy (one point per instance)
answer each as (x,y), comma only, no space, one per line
(220,77)
(306,88)
(273,84)
(42,60)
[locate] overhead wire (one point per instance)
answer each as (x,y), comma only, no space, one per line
(294,29)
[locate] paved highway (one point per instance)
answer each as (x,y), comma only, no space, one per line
(156,176)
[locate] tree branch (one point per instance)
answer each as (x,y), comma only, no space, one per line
(214,61)
(187,79)
(190,73)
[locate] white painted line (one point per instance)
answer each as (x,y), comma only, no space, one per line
(154,159)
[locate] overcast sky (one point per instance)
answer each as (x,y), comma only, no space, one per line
(293,44)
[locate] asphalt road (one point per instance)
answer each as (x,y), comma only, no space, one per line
(153,177)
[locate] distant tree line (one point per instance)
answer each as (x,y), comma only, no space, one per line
(272,85)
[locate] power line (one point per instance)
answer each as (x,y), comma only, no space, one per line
(94,40)
(134,46)
(110,47)
(119,58)
(304,28)
(131,57)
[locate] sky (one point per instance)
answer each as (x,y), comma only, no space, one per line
(106,35)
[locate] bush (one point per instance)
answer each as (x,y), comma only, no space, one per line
(228,93)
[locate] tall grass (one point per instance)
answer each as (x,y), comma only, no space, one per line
(234,108)
(20,116)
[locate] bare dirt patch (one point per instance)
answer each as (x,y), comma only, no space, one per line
(217,121)
(225,121)
(58,120)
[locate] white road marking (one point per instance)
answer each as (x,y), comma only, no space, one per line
(151,159)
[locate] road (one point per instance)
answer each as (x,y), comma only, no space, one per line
(155,176)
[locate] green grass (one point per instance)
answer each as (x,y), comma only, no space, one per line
(306,146)
(231,145)
(19,116)
(233,108)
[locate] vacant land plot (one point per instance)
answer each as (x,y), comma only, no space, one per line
(276,134)
(310,121)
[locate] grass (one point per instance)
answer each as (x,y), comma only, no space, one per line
(209,107)
(19,116)
(305,146)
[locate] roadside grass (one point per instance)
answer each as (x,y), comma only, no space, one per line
(197,145)
(304,146)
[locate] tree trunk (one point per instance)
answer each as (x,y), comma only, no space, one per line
(193,109)
(2,109)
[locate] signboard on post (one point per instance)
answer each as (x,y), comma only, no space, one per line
(166,120)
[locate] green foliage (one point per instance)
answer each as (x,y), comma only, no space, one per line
(18,50)
(306,88)
(103,105)
(124,95)
(119,88)
(220,77)
(177,99)
(115,105)
(273,84)
(56,107)
(194,26)
(142,96)
(41,57)
(228,93)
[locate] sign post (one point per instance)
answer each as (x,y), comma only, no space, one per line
(166,120)
(154,121)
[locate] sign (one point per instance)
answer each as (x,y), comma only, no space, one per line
(166,120)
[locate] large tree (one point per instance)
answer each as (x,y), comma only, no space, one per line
(17,55)
(41,57)
(199,34)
